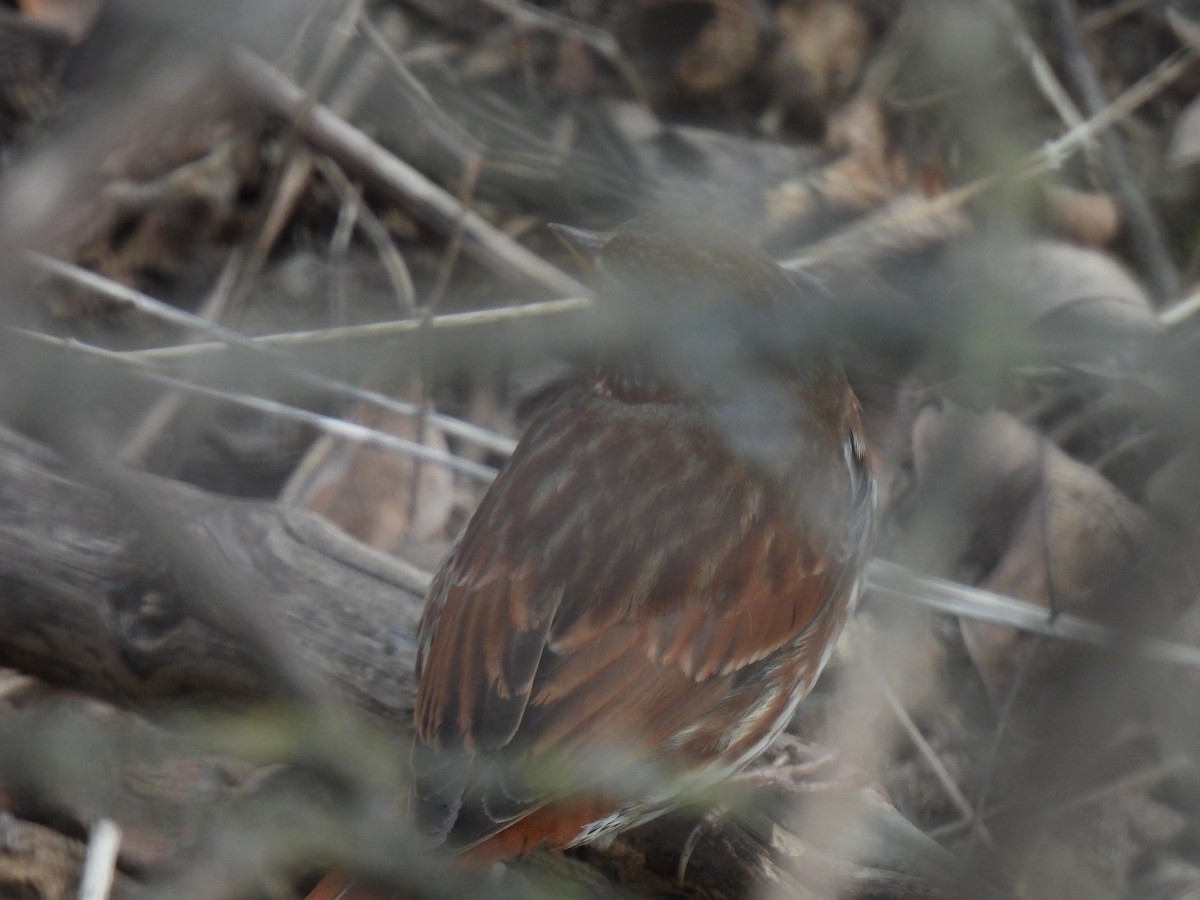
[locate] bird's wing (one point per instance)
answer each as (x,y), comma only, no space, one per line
(611,589)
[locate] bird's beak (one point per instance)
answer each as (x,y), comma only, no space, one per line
(584,245)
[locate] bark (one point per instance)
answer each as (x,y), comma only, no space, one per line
(94,597)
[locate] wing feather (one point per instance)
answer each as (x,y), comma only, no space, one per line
(550,627)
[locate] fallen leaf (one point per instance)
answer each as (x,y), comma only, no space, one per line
(368,491)
(1034,524)
(1085,216)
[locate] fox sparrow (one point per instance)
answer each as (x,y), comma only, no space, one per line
(662,567)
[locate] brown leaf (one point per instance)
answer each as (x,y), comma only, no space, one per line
(866,176)
(74,18)
(822,47)
(32,56)
(1042,527)
(1075,303)
(1057,276)
(1085,216)
(1082,303)
(705,45)
(368,491)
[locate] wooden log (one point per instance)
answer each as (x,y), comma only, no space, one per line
(90,600)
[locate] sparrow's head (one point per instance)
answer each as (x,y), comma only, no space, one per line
(683,306)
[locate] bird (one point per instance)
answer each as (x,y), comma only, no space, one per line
(662,567)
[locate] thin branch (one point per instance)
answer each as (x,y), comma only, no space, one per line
(290,178)
(1099,19)
(1146,235)
(895,582)
(260,348)
(158,419)
(354,151)
(445,271)
(454,137)
(1048,157)
(374,331)
(1180,312)
(1039,67)
(100,866)
(1054,153)
(376,232)
(1004,715)
(1139,778)
(943,776)
(328,424)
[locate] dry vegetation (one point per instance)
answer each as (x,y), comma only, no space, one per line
(273,265)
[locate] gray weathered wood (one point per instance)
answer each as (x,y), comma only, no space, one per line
(90,600)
